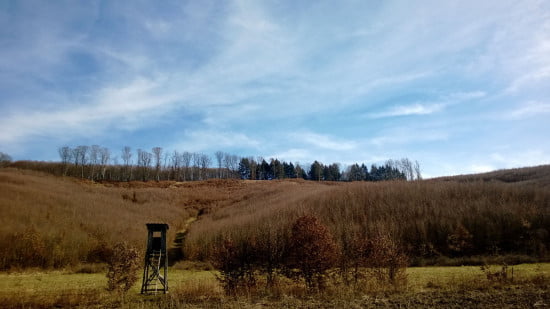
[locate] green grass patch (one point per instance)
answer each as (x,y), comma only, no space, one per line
(68,289)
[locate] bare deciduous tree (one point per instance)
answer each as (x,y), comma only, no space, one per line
(80,156)
(186,162)
(417,170)
(65,154)
(94,160)
(195,157)
(204,162)
(176,165)
(219,158)
(231,163)
(157,154)
(126,159)
(143,163)
(104,157)
(405,165)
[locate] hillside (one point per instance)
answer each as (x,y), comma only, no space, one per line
(504,212)
(52,221)
(536,175)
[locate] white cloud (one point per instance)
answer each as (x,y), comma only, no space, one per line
(408,137)
(480,168)
(248,70)
(206,140)
(125,107)
(323,141)
(421,108)
(407,110)
(294,155)
(529,109)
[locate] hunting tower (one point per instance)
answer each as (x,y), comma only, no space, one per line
(155,260)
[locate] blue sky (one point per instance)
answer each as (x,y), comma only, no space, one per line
(460,86)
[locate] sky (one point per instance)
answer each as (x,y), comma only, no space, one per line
(459,86)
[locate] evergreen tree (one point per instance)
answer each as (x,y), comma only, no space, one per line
(356,173)
(290,171)
(244,168)
(365,172)
(316,171)
(332,172)
(277,169)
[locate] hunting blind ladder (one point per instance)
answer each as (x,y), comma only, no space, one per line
(155,260)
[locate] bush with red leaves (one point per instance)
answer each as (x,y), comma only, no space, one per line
(312,251)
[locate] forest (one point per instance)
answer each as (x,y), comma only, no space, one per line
(98,163)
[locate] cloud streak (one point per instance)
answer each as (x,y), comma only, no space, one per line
(303,80)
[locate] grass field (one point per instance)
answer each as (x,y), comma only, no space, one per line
(450,287)
(55,232)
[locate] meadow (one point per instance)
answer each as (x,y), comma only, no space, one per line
(450,287)
(56,234)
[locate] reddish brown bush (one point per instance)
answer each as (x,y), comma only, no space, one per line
(312,251)
(386,260)
(235,262)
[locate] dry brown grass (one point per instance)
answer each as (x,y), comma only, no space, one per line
(68,220)
(421,216)
(65,221)
(74,218)
(531,176)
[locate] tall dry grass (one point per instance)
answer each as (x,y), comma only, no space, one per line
(50,221)
(423,217)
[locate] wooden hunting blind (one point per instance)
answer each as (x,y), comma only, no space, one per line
(156,259)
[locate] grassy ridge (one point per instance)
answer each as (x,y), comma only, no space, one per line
(533,176)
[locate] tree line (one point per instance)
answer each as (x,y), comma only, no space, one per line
(99,163)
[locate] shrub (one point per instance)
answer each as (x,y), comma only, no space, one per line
(235,264)
(123,268)
(502,275)
(312,251)
(460,241)
(387,260)
(270,249)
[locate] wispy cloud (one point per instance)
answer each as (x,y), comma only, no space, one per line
(428,108)
(323,141)
(529,109)
(407,110)
(208,140)
(125,107)
(302,80)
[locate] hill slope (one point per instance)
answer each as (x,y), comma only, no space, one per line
(50,221)
(536,175)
